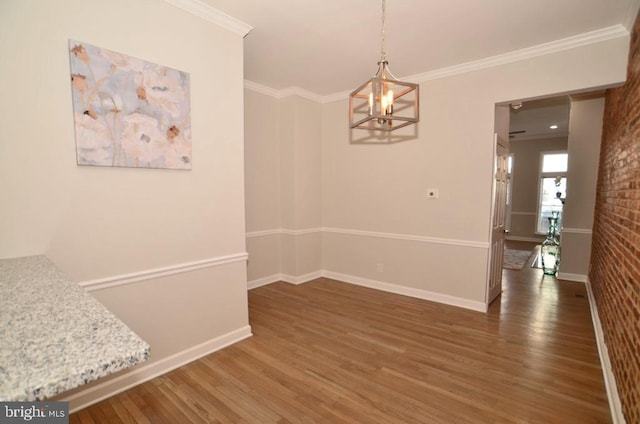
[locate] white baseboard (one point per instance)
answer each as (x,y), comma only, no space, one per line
(579,278)
(291,279)
(142,373)
(299,279)
(519,238)
(373,284)
(408,291)
(259,282)
(607,371)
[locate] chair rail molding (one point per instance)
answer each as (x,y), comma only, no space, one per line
(366,233)
(409,237)
(122,279)
(577,230)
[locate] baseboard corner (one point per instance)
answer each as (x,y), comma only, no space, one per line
(263,281)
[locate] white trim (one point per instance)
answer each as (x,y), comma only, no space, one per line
(286,278)
(143,373)
(531,239)
(301,232)
(578,278)
(286,92)
(284,231)
(301,92)
(300,279)
(122,279)
(409,237)
(408,291)
(208,13)
(524,213)
(577,230)
(373,284)
(580,40)
(337,96)
(262,89)
(607,371)
(259,282)
(275,231)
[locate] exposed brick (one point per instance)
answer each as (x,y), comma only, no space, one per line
(615,255)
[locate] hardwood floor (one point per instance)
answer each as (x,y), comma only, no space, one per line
(330,352)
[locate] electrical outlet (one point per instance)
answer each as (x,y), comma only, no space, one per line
(433,193)
(380,267)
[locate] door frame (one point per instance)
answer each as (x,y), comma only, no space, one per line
(501,131)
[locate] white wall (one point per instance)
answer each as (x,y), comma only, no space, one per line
(262,185)
(381,188)
(585,135)
(284,172)
(300,148)
(375,214)
(101,223)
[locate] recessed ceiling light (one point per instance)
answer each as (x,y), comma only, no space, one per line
(553,127)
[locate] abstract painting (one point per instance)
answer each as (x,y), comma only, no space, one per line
(129,112)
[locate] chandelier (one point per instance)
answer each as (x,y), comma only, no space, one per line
(384,103)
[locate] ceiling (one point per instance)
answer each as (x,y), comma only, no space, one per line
(332,46)
(533,120)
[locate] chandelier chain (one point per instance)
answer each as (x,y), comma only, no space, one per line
(383,53)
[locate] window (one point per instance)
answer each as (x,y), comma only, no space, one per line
(553,186)
(507,224)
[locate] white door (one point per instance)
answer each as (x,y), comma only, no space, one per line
(499,212)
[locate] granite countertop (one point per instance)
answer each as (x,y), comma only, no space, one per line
(53,335)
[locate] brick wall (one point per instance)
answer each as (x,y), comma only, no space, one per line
(615,272)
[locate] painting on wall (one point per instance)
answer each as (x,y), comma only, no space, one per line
(129,112)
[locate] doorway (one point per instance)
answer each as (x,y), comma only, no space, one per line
(538,146)
(524,130)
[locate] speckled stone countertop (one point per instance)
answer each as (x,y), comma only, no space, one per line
(53,335)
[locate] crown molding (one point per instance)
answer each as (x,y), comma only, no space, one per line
(262,89)
(279,94)
(580,40)
(301,92)
(336,96)
(208,13)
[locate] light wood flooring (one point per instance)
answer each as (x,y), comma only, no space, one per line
(330,352)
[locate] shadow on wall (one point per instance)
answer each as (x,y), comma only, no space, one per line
(358,136)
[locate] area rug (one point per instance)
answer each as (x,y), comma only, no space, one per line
(516,259)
